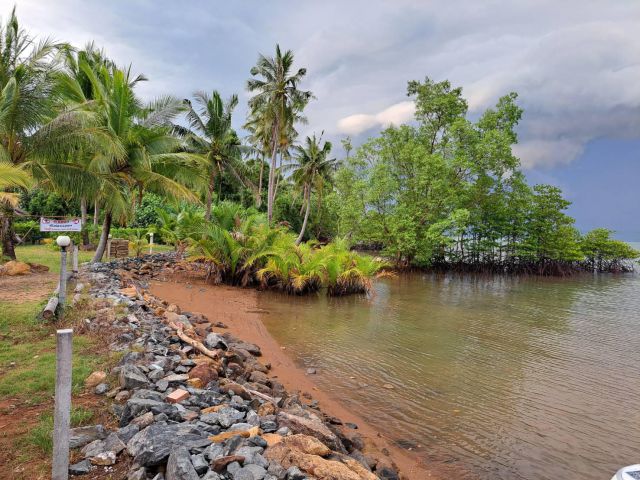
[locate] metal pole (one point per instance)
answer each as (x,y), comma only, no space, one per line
(62,409)
(62,293)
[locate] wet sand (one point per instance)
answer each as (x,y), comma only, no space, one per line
(238,309)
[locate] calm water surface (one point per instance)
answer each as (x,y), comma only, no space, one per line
(495,378)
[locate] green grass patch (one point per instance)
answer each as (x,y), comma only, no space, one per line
(28,358)
(41,436)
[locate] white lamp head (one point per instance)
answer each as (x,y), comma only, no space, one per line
(63,241)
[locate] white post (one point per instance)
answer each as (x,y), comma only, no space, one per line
(151,242)
(74,267)
(62,408)
(109,248)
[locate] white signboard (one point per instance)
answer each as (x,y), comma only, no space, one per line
(60,225)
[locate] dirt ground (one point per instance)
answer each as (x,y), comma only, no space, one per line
(27,288)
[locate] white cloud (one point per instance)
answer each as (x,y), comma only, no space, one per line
(394,115)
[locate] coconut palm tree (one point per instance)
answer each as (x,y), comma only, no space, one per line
(311,169)
(37,129)
(211,134)
(278,101)
(151,158)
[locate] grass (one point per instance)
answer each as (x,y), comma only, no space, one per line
(27,354)
(50,256)
(41,436)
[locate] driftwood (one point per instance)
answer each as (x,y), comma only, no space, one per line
(179,328)
(50,309)
(263,396)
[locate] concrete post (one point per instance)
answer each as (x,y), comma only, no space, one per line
(151,243)
(74,263)
(62,293)
(62,408)
(109,248)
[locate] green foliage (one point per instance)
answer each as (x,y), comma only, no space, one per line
(238,247)
(146,214)
(605,253)
(449,193)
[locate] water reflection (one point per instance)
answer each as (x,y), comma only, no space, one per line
(495,377)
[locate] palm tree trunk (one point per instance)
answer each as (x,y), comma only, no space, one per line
(270,188)
(102,244)
(307,198)
(210,190)
(259,199)
(96,213)
(83,217)
(7,234)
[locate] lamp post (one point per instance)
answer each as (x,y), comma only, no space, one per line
(63,242)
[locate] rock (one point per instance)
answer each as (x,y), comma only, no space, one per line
(152,445)
(227,416)
(221,437)
(177,396)
(306,444)
(131,377)
(122,396)
(221,463)
(206,372)
(179,466)
(101,389)
(113,443)
(311,371)
(214,451)
(388,386)
(176,378)
(214,341)
(211,475)
(266,408)
(81,436)
(387,473)
(294,473)
(227,385)
(95,379)
(80,468)
(142,421)
(104,458)
(310,425)
(199,463)
(127,433)
(320,468)
(137,406)
(209,418)
(137,474)
(14,268)
(258,377)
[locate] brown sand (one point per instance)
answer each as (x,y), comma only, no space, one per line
(238,308)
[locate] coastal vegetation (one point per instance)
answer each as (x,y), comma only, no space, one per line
(443,192)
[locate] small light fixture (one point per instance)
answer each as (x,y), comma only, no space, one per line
(63,241)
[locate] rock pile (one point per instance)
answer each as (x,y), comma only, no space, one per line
(194,404)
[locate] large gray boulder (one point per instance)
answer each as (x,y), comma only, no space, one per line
(131,377)
(152,445)
(179,466)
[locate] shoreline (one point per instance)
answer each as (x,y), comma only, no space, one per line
(238,309)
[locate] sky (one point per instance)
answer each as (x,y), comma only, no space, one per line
(574,63)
